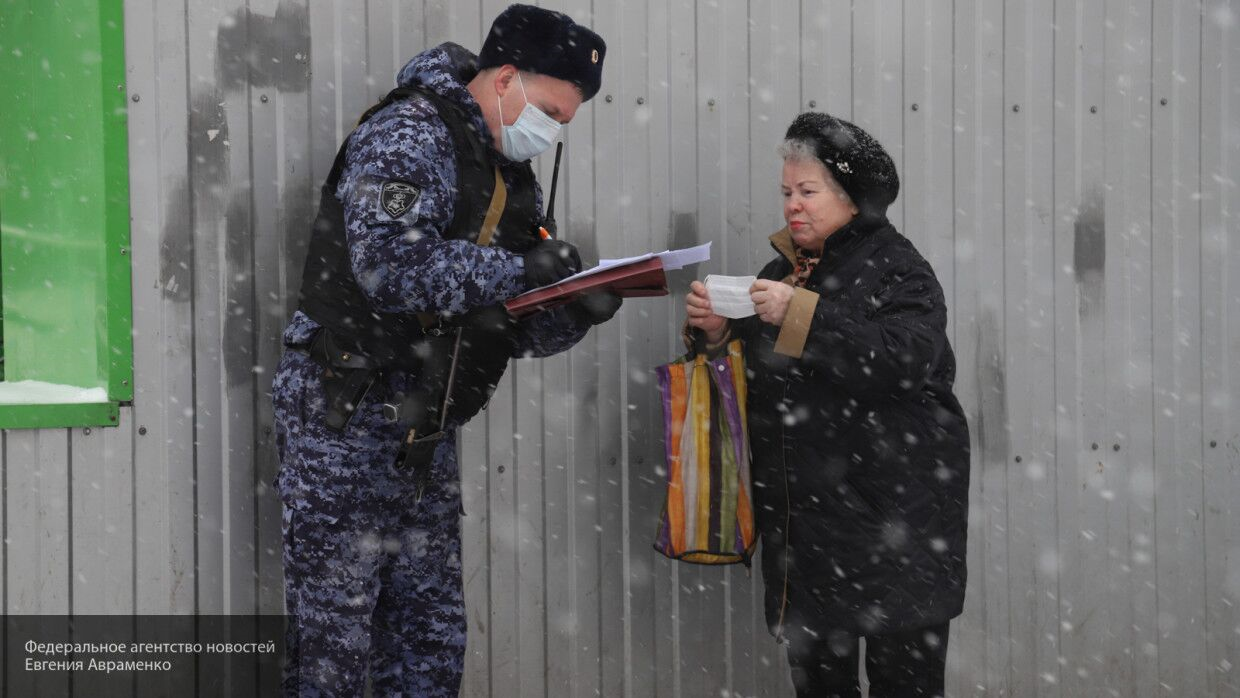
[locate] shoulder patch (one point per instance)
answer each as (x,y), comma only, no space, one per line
(398,197)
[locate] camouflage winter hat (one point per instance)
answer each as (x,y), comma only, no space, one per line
(546,42)
(852,156)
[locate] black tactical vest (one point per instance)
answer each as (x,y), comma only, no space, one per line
(331,297)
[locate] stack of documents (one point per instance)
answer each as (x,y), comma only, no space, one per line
(672,259)
(629,277)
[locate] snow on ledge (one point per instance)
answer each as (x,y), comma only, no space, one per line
(40,393)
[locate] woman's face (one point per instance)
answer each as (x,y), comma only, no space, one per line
(815,205)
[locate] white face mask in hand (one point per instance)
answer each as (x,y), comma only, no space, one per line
(729,295)
(532,132)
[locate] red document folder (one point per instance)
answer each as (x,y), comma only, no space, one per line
(636,279)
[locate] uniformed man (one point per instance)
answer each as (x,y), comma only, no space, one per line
(429,220)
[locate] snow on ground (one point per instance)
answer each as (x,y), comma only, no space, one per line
(40,393)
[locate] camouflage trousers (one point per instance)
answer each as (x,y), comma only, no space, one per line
(372,581)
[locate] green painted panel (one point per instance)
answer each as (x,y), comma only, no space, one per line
(115,352)
(64,199)
(55,416)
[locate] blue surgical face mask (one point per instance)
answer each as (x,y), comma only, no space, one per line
(532,132)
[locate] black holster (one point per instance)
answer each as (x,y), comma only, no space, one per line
(347,378)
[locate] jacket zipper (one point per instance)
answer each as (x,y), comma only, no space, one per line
(783,460)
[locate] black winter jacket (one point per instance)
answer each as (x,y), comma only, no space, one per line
(860,448)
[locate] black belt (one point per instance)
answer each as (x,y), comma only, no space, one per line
(348,375)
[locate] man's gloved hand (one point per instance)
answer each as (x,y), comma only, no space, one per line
(595,308)
(550,261)
(490,318)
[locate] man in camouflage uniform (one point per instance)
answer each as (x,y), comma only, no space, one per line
(371,543)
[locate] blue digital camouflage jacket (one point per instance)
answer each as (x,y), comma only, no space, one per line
(404,264)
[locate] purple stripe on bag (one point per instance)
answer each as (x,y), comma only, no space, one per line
(732,412)
(665,392)
(714,528)
(664,538)
(727,398)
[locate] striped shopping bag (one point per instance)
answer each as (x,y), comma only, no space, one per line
(708,517)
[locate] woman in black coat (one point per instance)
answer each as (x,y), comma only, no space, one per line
(860,448)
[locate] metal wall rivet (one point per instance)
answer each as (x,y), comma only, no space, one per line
(710,102)
(86,431)
(914,107)
(1094,446)
(608,99)
(1015,107)
(263,99)
(136,98)
(1018,459)
(1115,447)
(124,251)
(1093,110)
(125,382)
(112,417)
(1163,101)
(1213,444)
(500,468)
(141,431)
(641,100)
(813,104)
(120,88)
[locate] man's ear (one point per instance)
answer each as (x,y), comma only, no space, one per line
(503,79)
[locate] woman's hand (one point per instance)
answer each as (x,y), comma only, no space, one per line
(770,299)
(701,316)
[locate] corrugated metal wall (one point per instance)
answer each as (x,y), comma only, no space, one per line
(1069,168)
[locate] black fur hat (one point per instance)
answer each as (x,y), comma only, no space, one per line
(546,42)
(853,158)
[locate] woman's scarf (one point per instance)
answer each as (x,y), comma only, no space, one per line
(804,267)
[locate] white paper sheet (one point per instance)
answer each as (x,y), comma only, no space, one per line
(678,259)
(729,295)
(672,259)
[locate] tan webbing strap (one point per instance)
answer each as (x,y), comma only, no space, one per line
(499,199)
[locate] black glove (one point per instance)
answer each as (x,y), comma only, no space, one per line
(550,261)
(489,318)
(595,308)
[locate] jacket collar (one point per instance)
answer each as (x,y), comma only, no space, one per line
(446,70)
(837,241)
(782,242)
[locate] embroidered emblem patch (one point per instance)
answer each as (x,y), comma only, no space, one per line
(398,197)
